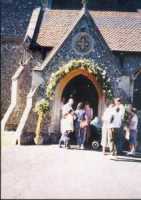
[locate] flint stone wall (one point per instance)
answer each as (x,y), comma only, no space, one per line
(100,53)
(10,56)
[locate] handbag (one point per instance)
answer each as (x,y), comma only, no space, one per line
(83,123)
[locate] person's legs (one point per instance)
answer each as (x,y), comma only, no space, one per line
(88,134)
(104,150)
(114,139)
(61,140)
(104,138)
(132,141)
(132,149)
(111,135)
(84,135)
(110,143)
(115,136)
(67,140)
(81,137)
(78,137)
(120,140)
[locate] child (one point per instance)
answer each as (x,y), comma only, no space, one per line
(67,127)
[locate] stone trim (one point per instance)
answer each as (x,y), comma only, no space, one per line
(18,73)
(14,92)
(34,24)
(55,114)
(25,114)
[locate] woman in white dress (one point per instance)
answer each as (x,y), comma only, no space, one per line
(67,127)
(105,141)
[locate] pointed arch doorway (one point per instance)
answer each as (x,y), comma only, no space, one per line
(83,86)
(81,89)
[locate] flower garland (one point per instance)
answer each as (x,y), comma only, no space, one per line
(86,64)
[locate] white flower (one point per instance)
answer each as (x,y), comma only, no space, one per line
(66,70)
(104,72)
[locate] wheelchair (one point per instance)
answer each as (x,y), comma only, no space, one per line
(95,128)
(96,136)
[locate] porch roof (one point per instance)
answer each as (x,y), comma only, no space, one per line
(121,30)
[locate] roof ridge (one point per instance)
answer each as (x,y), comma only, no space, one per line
(54,51)
(108,12)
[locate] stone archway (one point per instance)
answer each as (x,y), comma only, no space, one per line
(55,115)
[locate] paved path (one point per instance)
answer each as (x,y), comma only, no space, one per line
(50,172)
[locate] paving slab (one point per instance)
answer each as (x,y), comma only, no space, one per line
(42,172)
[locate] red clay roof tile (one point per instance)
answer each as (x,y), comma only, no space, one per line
(121,30)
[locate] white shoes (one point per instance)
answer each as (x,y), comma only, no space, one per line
(131,153)
(82,146)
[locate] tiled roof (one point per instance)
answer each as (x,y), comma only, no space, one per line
(121,30)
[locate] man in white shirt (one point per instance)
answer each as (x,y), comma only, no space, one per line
(117,102)
(114,128)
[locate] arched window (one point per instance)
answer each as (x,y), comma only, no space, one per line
(137,91)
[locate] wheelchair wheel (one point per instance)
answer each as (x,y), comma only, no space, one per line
(95,145)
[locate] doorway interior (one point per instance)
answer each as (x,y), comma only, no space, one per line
(81,89)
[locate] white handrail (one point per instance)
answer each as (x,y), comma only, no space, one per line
(25,114)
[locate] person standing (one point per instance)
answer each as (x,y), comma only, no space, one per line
(133,132)
(105,140)
(89,113)
(80,129)
(121,138)
(67,127)
(67,107)
(115,125)
(127,119)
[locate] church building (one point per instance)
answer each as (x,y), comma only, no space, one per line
(88,51)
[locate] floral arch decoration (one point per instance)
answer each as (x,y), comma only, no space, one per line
(89,65)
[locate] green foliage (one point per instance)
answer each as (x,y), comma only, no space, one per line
(86,64)
(42,106)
